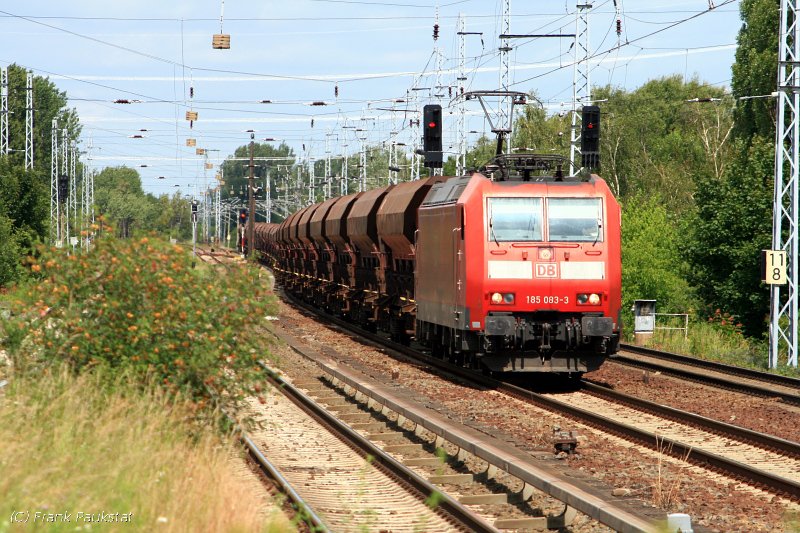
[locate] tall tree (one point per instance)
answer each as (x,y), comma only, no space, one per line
(653,139)
(120,197)
(755,70)
(732,226)
(25,193)
(277,161)
(734,213)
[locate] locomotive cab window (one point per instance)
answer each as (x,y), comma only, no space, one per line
(575,219)
(514,219)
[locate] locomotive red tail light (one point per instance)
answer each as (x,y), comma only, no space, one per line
(589,299)
(498,298)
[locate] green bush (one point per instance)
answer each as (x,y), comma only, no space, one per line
(138,307)
(652,266)
(9,253)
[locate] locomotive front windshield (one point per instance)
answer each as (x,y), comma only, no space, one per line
(574,219)
(515,219)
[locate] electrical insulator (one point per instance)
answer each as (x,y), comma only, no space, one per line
(191,123)
(619,27)
(435,32)
(191,92)
(336,91)
(312,122)
(450,92)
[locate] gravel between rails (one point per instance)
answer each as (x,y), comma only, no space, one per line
(765,415)
(716,502)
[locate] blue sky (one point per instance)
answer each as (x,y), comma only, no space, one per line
(296,52)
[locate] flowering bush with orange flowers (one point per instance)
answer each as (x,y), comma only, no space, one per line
(138,307)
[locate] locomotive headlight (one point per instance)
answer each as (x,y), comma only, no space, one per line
(589,299)
(506,298)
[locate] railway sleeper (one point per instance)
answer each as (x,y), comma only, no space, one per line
(401,435)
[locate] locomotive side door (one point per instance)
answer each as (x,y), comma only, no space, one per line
(460,274)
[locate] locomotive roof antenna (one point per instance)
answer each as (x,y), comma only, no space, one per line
(29,122)
(783,313)
(4,111)
(581,88)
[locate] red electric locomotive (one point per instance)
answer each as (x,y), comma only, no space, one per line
(508,273)
(519,276)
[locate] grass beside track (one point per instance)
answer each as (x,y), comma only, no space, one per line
(715,343)
(79,445)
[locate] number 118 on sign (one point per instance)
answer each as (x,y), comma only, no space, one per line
(773,270)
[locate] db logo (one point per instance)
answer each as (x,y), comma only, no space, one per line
(546,270)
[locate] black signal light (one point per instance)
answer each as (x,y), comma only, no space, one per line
(63,188)
(590,137)
(432,136)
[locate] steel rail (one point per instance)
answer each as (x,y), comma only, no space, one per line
(747,388)
(768,442)
(452,510)
(307,514)
(518,465)
(750,373)
(774,484)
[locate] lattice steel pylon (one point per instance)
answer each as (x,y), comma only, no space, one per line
(362,165)
(29,122)
(343,187)
(461,156)
(64,221)
(581,87)
(55,226)
(504,115)
(4,111)
(73,189)
(783,313)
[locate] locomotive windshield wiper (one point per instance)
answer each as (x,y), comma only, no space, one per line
(597,236)
(491,229)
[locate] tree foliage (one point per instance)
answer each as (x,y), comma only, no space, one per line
(755,69)
(24,193)
(733,224)
(654,140)
(652,265)
(734,213)
(120,198)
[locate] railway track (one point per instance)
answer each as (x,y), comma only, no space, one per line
(416,435)
(729,377)
(765,462)
(342,479)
